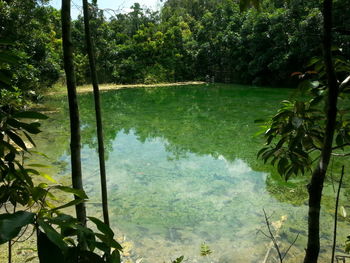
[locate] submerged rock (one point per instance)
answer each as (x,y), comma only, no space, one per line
(173,234)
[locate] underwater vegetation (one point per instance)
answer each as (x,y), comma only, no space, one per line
(182,171)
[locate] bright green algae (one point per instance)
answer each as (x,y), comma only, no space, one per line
(182,170)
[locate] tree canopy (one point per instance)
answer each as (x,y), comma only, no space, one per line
(184,40)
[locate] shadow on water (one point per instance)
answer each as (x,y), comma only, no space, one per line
(182,169)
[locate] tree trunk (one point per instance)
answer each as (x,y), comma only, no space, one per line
(316,185)
(336,215)
(101,153)
(77,181)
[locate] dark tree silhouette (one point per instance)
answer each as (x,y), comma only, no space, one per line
(316,185)
(77,181)
(99,128)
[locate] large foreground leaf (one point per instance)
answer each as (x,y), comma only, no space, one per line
(11,224)
(48,251)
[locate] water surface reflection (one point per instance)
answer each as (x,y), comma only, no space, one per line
(182,170)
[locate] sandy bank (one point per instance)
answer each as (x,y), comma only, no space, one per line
(104,87)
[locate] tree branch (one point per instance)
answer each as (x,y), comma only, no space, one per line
(340,146)
(341,154)
(272,237)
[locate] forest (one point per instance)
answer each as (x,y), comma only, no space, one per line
(278,66)
(185,40)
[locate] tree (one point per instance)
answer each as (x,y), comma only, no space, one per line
(77,180)
(60,237)
(38,46)
(316,185)
(101,154)
(301,128)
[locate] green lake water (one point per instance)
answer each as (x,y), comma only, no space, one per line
(182,170)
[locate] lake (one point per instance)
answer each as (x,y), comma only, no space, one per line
(182,172)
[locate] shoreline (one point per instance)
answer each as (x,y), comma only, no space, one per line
(61,90)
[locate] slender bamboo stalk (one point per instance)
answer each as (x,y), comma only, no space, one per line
(77,180)
(99,127)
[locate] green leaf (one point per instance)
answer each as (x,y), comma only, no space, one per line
(78,192)
(23,174)
(179,259)
(32,171)
(282,114)
(86,236)
(38,193)
(10,157)
(30,115)
(70,241)
(48,251)
(89,257)
(11,224)
(266,155)
(10,147)
(9,57)
(114,257)
(30,259)
(29,138)
(71,203)
(261,151)
(38,165)
(17,140)
(109,241)
(102,246)
(282,166)
(105,229)
(63,220)
(32,128)
(40,153)
(43,185)
(14,123)
(67,231)
(339,140)
(48,177)
(289,173)
(53,235)
(269,139)
(313,61)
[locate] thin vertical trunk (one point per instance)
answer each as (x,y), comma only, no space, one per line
(101,153)
(77,181)
(336,215)
(9,252)
(316,185)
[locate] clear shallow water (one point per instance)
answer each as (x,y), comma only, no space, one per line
(182,170)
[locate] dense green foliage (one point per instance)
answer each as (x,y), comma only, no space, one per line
(194,39)
(59,235)
(26,204)
(185,40)
(34,32)
(295,135)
